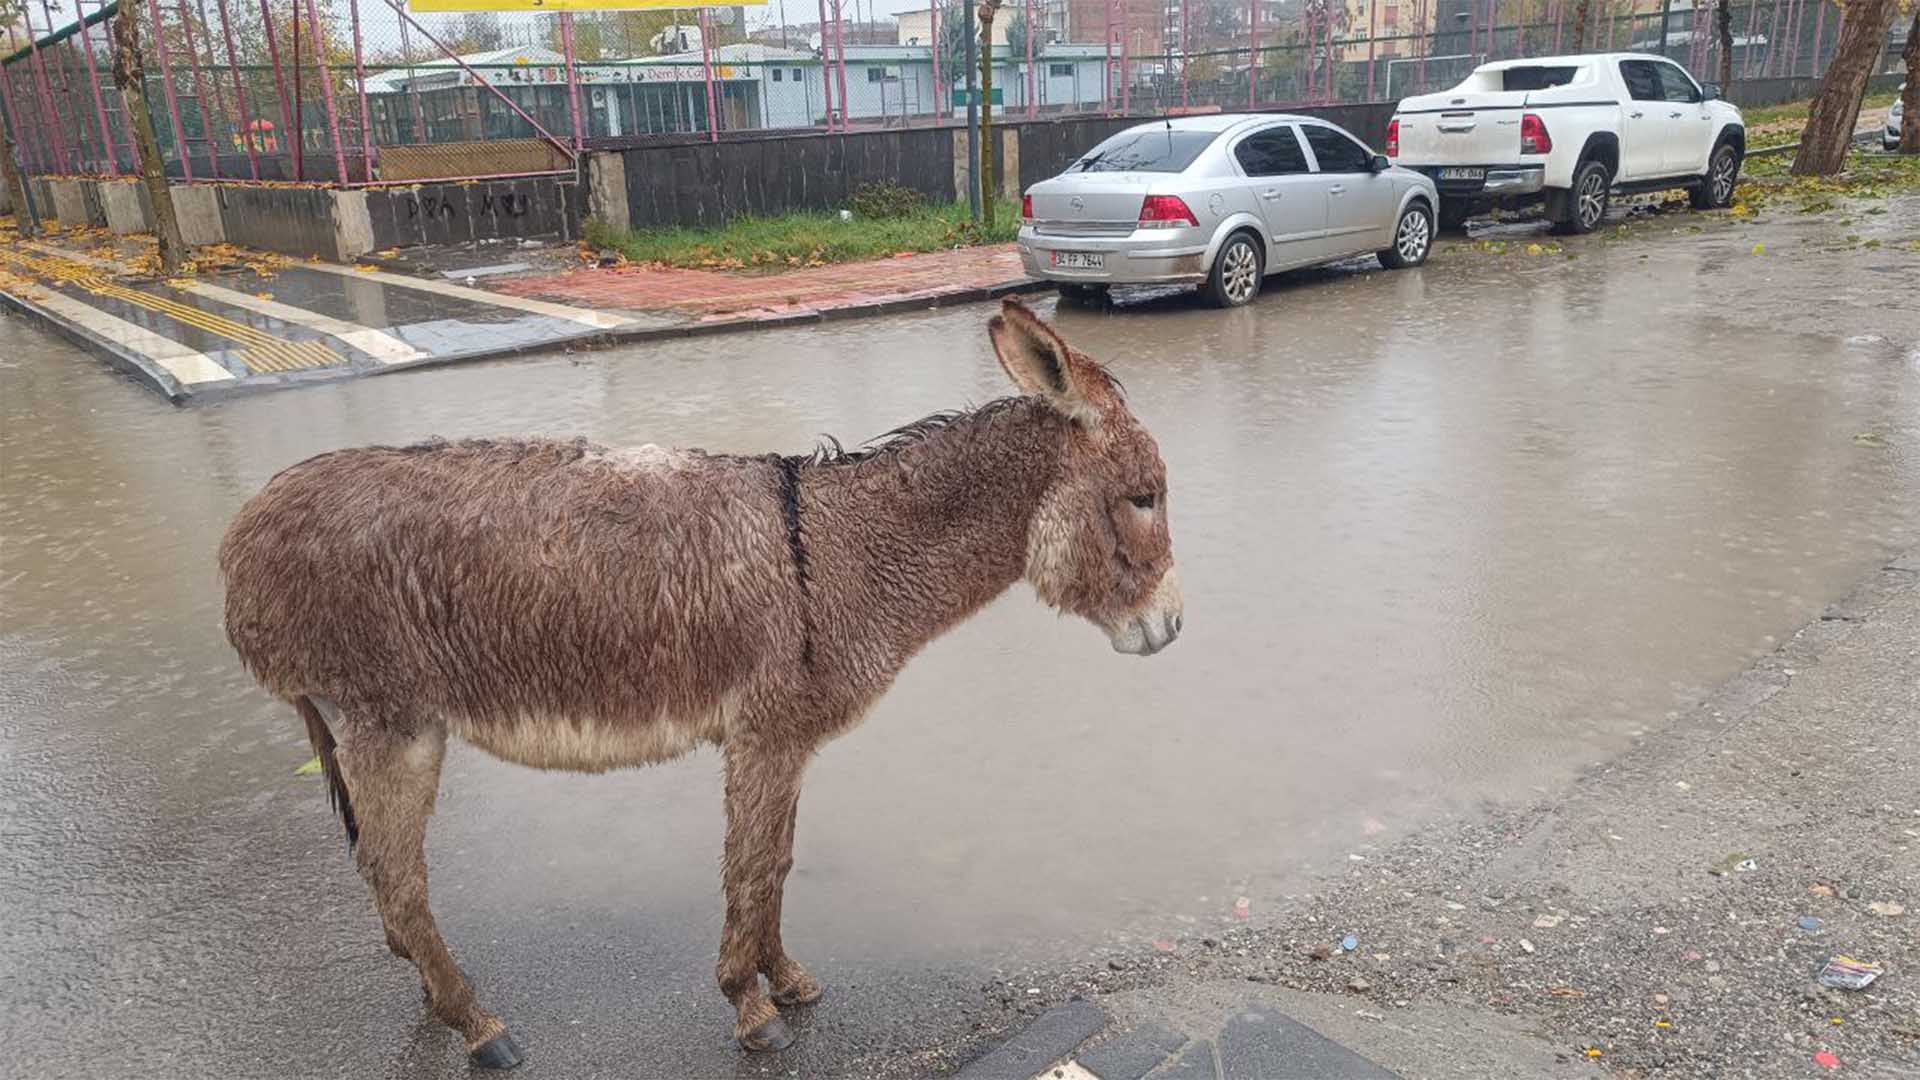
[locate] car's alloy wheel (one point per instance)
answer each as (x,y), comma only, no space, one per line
(1413,236)
(1591,199)
(1239,271)
(1720,180)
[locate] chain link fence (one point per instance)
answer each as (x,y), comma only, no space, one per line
(357,92)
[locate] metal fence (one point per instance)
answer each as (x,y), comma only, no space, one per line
(358,92)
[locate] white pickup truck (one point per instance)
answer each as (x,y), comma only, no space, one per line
(1570,130)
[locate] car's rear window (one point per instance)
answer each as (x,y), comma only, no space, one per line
(1538,76)
(1161,149)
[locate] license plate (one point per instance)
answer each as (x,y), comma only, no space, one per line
(1080,260)
(1461,173)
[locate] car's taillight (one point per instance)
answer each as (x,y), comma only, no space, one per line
(1393,137)
(1533,135)
(1026,209)
(1165,212)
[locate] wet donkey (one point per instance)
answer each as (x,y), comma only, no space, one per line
(569,606)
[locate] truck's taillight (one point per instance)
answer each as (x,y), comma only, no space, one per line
(1393,137)
(1533,135)
(1165,212)
(1026,209)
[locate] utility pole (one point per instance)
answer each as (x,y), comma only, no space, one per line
(973,113)
(1666,12)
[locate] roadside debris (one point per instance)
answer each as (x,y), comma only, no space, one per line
(1826,1059)
(1887,909)
(1846,973)
(1808,922)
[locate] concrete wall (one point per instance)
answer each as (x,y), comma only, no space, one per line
(293,221)
(464,213)
(76,203)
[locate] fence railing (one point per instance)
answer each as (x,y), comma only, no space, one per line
(360,92)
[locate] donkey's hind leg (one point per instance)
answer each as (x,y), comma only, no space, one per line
(393,779)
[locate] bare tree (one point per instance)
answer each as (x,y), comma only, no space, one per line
(129,74)
(1580,24)
(10,13)
(1835,109)
(1910,96)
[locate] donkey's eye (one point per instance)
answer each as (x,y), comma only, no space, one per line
(1144,502)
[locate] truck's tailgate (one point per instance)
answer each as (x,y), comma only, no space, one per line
(1461,129)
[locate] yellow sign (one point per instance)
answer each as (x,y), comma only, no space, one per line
(567,5)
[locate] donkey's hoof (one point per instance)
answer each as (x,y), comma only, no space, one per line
(805,991)
(772,1035)
(498,1052)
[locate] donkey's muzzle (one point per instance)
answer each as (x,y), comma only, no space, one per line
(1155,627)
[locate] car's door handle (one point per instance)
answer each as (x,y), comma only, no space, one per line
(1336,190)
(1673,116)
(1636,116)
(1270,193)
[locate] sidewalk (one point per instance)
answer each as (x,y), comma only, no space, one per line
(247,320)
(1669,912)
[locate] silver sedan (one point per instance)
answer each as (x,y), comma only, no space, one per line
(1222,201)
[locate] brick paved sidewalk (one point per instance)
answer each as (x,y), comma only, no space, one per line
(727,296)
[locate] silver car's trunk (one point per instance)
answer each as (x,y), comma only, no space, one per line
(1091,203)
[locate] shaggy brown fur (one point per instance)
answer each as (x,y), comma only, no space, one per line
(569,606)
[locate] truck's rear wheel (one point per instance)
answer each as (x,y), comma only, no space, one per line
(1453,216)
(1584,206)
(1715,189)
(1074,292)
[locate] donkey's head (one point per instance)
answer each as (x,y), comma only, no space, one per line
(1099,545)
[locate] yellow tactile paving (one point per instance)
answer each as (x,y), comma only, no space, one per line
(261,351)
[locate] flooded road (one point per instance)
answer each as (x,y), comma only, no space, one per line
(1447,536)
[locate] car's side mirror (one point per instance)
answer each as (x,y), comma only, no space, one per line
(1710,92)
(1380,163)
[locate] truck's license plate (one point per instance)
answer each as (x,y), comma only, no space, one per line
(1461,173)
(1080,260)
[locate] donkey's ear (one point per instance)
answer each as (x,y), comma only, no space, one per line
(1039,362)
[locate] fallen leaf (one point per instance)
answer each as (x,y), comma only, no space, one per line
(1759,249)
(312,766)
(263,296)
(1566,992)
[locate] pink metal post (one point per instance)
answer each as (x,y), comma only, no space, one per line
(939,88)
(199,87)
(840,46)
(1033,107)
(360,80)
(1253,52)
(1493,22)
(99,101)
(1799,22)
(706,61)
(1559,24)
(44,91)
(573,73)
(1126,52)
(326,91)
(826,64)
(28,148)
(1819,28)
(1373,9)
(1106,68)
(289,130)
(1773,42)
(166,84)
(239,91)
(1332,91)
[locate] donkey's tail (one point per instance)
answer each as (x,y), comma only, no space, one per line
(323,745)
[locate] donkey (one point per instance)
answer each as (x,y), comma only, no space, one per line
(570,606)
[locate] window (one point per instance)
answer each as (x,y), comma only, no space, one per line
(1273,152)
(1153,148)
(1677,85)
(796,74)
(875,74)
(777,73)
(1537,77)
(1336,151)
(1642,79)
(1060,71)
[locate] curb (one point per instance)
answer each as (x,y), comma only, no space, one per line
(1049,1040)
(155,379)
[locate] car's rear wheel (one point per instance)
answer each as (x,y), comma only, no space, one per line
(1237,272)
(1584,206)
(1074,292)
(1715,189)
(1412,238)
(1453,216)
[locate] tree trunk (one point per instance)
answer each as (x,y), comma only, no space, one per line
(1580,25)
(1910,97)
(1723,29)
(129,74)
(1835,109)
(23,218)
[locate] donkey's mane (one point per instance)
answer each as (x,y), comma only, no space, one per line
(830,451)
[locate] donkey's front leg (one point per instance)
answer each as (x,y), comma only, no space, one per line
(763,783)
(789,982)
